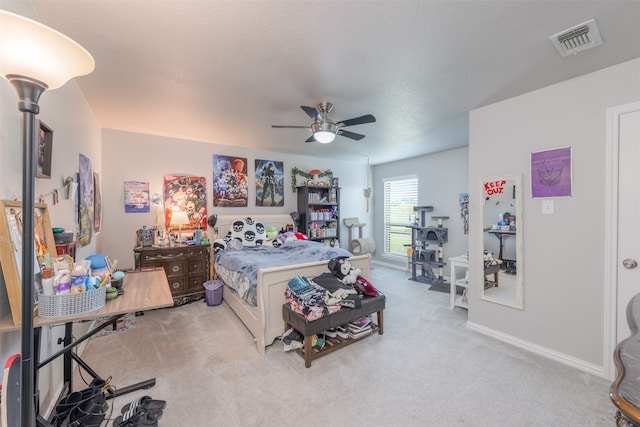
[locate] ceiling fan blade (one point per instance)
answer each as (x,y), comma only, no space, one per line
(311,139)
(312,112)
(289,127)
(351,135)
(357,120)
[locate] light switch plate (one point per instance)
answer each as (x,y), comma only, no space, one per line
(548,207)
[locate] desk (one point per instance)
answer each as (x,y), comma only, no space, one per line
(502,236)
(625,391)
(142,291)
(145,290)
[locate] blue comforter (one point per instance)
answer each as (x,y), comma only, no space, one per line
(251,259)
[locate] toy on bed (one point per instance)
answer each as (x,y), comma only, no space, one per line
(342,269)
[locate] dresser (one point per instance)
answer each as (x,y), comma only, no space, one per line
(187,268)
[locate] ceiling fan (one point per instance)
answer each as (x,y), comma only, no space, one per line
(323,129)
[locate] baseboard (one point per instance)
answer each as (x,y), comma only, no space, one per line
(540,350)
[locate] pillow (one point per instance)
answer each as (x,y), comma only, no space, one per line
(248,231)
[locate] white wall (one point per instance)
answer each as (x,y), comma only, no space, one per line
(441,179)
(131,156)
(75,131)
(564,252)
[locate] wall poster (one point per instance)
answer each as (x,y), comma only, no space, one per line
(230,184)
(136,196)
(188,194)
(551,173)
(269,183)
(97,203)
(85,202)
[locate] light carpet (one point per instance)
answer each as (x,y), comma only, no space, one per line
(427,369)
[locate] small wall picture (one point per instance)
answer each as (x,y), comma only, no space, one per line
(44,149)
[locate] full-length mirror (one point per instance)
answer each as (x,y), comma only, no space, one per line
(502,240)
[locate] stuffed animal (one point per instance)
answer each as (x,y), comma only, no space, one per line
(341,268)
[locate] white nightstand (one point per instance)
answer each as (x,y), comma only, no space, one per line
(459,277)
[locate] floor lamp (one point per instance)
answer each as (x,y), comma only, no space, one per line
(34,58)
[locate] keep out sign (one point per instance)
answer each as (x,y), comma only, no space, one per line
(494,187)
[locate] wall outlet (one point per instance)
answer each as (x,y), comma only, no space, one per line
(547,207)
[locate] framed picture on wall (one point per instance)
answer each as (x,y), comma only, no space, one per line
(44,149)
(11,250)
(551,173)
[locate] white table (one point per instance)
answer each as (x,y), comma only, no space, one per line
(459,277)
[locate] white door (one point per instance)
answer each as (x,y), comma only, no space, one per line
(622,231)
(628,266)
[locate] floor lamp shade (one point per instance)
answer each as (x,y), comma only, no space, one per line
(33,58)
(35,51)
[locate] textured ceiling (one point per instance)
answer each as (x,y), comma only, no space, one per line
(224,71)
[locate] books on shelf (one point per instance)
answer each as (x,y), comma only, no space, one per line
(361,327)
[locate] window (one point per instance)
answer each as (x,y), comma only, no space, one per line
(400,196)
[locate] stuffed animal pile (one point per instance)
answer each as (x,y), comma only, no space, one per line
(342,268)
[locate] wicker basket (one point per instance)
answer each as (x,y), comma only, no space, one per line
(71,304)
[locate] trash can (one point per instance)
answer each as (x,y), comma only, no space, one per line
(213,292)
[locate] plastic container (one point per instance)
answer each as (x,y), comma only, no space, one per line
(62,305)
(213,292)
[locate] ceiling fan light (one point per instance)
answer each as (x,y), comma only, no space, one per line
(324,137)
(324,132)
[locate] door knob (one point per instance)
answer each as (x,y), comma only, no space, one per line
(630,263)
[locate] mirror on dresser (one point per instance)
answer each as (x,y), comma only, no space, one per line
(502,240)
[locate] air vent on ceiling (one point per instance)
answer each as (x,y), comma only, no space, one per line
(576,39)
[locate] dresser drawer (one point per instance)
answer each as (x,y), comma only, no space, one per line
(196,251)
(175,267)
(196,266)
(178,285)
(195,283)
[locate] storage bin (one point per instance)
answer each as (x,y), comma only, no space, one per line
(71,304)
(61,238)
(213,292)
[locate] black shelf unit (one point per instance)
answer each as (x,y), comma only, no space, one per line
(319,212)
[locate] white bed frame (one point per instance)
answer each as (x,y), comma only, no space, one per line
(264,321)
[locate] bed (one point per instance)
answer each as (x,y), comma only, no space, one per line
(264,318)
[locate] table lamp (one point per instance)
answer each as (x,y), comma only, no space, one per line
(33,58)
(180,218)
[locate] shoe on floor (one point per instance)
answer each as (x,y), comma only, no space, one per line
(145,402)
(138,417)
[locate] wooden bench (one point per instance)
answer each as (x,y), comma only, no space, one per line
(341,317)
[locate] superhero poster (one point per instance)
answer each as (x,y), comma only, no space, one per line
(230,184)
(188,194)
(269,183)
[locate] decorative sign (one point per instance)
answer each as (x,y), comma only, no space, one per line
(494,187)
